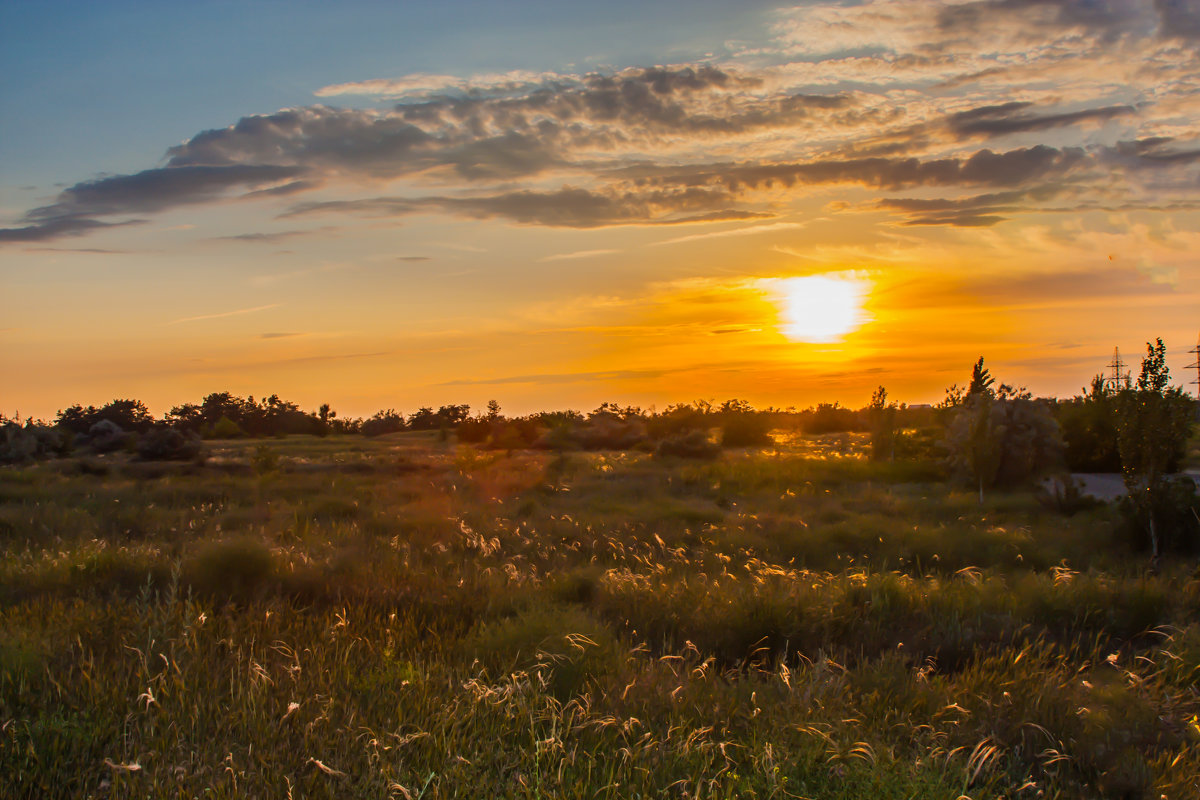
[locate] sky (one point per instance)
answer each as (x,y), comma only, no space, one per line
(394,205)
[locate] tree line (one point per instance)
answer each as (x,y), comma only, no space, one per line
(983,433)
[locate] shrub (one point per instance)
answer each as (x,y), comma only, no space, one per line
(17,444)
(831,418)
(162,443)
(382,422)
(745,429)
(679,419)
(1002,440)
(1065,496)
(106,436)
(565,646)
(231,568)
(1089,430)
(225,428)
(1174,510)
(474,430)
(694,444)
(607,431)
(264,459)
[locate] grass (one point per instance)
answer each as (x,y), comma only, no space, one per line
(404,617)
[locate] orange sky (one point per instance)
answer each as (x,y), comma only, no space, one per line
(568,234)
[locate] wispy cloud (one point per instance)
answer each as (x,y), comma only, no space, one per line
(223,314)
(578,254)
(773,227)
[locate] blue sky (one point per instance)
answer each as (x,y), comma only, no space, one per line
(97,86)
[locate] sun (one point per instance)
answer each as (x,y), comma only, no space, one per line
(821,308)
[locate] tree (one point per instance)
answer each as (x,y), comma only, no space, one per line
(1153,422)
(882,417)
(1089,429)
(981,380)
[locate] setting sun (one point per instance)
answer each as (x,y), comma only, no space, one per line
(820,308)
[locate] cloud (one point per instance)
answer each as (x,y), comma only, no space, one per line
(222,314)
(568,207)
(856,95)
(1108,20)
(155,190)
(412,259)
(1013,117)
(983,167)
(57,228)
(75,209)
(423,84)
(285,335)
(578,254)
(265,238)
(773,227)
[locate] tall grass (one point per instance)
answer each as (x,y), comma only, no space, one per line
(405,619)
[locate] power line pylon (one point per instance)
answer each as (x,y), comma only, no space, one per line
(1196,365)
(1118,380)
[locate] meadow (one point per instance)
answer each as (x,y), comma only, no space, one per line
(411,617)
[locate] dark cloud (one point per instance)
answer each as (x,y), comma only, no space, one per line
(1155,152)
(971,212)
(633,103)
(1180,19)
(975,211)
(1105,19)
(156,189)
(265,238)
(75,209)
(984,167)
(482,137)
(57,228)
(317,137)
(284,189)
(283,335)
(1013,117)
(568,207)
(412,258)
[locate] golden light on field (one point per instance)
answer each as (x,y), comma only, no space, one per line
(821,308)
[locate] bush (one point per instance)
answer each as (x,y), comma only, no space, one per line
(1064,496)
(695,444)
(1089,430)
(678,420)
(231,568)
(745,429)
(1002,440)
(1174,511)
(567,647)
(106,436)
(382,422)
(832,418)
(601,431)
(264,459)
(17,444)
(474,431)
(225,428)
(162,443)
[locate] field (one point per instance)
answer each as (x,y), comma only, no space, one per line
(409,617)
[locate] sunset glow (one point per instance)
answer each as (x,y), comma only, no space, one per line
(399,205)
